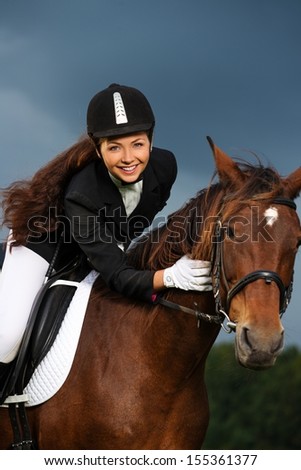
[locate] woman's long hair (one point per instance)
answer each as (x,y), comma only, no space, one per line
(27,198)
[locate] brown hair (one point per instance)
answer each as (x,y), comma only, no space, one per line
(27,198)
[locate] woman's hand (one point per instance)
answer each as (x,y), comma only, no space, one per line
(189,274)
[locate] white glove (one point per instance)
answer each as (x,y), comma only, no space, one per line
(189,274)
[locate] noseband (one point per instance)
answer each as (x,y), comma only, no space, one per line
(218,273)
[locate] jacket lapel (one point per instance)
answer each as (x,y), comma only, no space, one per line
(143,214)
(148,206)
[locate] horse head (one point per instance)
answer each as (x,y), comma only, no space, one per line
(256,240)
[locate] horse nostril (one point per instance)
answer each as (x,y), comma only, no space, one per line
(279,344)
(272,345)
(245,337)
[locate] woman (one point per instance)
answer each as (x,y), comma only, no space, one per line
(98,196)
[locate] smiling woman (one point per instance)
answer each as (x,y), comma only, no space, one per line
(88,204)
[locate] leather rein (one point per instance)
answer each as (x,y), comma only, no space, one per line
(218,273)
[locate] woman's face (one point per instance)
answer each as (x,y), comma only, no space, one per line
(127,156)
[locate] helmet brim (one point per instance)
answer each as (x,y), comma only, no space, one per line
(123,130)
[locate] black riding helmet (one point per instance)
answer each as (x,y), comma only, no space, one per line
(119,110)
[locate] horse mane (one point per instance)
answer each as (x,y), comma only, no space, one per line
(190,229)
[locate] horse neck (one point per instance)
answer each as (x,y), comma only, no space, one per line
(183,343)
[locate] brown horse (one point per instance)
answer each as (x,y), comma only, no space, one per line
(137,381)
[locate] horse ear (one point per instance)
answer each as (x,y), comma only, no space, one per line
(228,171)
(293,183)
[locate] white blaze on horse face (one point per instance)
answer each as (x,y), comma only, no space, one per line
(271,215)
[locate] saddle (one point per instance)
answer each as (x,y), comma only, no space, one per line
(46,317)
(44,322)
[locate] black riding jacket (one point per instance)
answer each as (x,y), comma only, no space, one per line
(98,221)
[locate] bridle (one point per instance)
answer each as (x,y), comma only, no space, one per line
(218,274)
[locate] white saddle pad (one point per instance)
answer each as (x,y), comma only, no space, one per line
(53,370)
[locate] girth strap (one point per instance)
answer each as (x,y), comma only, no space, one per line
(20,427)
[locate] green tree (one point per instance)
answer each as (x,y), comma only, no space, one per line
(253,409)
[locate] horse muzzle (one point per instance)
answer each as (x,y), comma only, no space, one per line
(255,351)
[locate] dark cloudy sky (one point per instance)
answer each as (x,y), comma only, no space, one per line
(230,69)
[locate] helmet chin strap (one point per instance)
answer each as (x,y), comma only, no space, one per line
(98,152)
(95,146)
